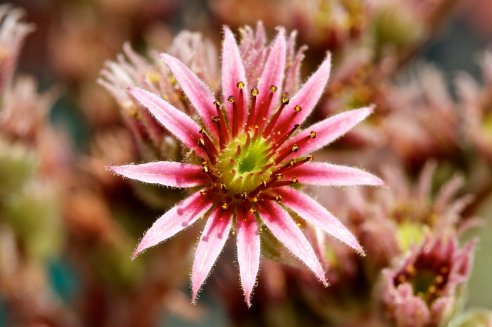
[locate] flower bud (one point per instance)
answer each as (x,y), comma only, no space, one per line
(425,289)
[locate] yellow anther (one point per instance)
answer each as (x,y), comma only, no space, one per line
(273,89)
(231,99)
(297,108)
(285,99)
(254,92)
(292,162)
(312,134)
(240,85)
(278,176)
(295,148)
(278,198)
(224,205)
(153,77)
(216,104)
(295,180)
(252,210)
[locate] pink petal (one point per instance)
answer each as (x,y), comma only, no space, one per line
(197,92)
(181,216)
(308,95)
(211,243)
(272,74)
(173,119)
(283,227)
(175,174)
(320,173)
(232,73)
(326,130)
(248,251)
(316,214)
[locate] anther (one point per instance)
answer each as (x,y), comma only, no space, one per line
(295,180)
(204,162)
(207,145)
(205,169)
(285,136)
(217,104)
(281,140)
(411,270)
(273,89)
(240,85)
(278,198)
(224,205)
(278,176)
(273,121)
(223,188)
(292,162)
(231,99)
(243,196)
(252,210)
(216,119)
(252,111)
(203,192)
(312,134)
(297,108)
(309,158)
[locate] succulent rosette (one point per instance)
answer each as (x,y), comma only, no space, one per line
(248,155)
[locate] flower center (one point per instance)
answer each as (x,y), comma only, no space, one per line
(427,277)
(244,163)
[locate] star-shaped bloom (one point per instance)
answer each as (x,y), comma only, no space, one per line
(248,153)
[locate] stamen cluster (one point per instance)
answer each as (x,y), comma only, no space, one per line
(245,163)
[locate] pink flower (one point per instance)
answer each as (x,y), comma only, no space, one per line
(424,290)
(250,152)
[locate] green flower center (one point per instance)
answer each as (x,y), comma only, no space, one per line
(244,164)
